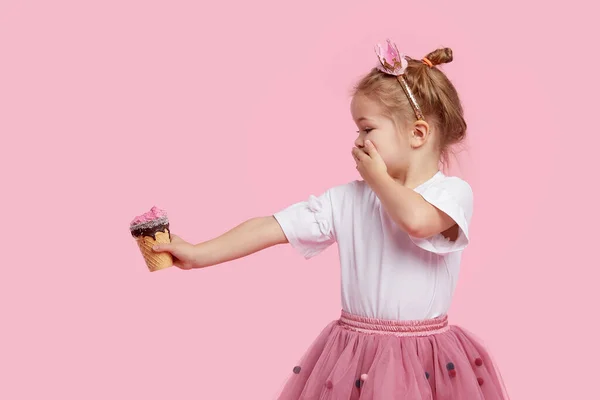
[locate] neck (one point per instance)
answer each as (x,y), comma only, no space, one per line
(416,173)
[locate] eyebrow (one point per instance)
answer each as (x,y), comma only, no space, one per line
(364,119)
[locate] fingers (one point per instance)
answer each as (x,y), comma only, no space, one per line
(176,239)
(370,148)
(181,265)
(162,247)
(358,154)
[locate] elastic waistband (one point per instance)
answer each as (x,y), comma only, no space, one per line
(398,328)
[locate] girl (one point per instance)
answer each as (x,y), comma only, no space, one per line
(400,234)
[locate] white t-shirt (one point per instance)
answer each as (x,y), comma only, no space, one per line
(385,273)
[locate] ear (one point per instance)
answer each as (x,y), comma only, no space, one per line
(419,134)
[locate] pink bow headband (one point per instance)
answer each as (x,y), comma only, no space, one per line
(394,63)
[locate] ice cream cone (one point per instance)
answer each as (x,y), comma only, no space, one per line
(155,261)
(148,230)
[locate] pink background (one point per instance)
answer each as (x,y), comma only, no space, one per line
(224,111)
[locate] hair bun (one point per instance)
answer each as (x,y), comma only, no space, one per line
(440,56)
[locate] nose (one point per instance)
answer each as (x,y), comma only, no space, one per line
(359,142)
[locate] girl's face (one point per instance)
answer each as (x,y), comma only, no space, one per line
(391,142)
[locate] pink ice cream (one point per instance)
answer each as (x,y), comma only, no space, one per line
(154,213)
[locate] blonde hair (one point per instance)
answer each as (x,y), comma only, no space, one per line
(435,94)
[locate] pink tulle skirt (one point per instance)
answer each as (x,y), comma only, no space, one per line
(369,359)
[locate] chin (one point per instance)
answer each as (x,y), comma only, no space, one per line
(395,170)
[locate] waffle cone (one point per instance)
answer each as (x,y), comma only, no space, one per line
(155,261)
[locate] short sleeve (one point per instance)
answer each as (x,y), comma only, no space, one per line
(308,225)
(454,197)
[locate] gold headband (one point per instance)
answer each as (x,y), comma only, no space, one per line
(411,97)
(394,63)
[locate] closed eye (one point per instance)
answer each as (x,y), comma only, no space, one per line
(366,131)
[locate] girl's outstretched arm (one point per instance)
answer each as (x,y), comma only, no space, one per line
(247,238)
